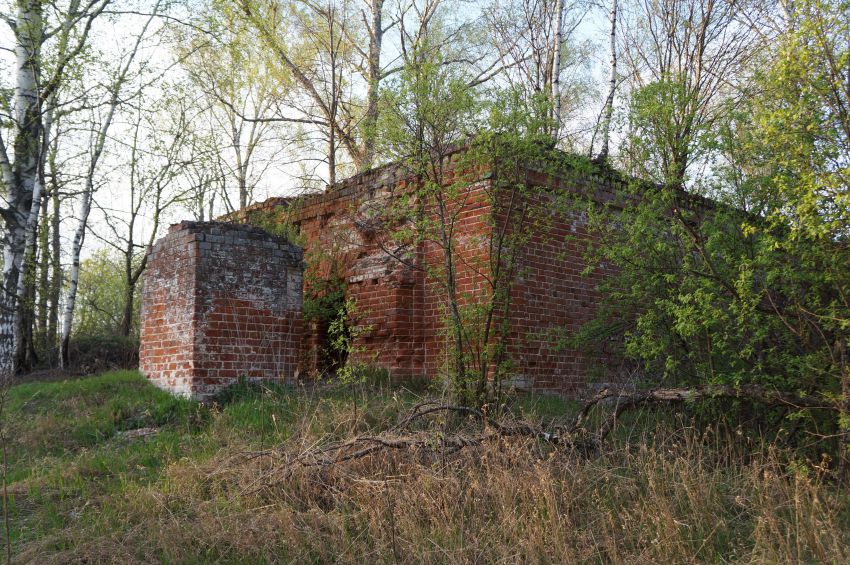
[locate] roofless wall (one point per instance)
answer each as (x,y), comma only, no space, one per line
(225,300)
(220,301)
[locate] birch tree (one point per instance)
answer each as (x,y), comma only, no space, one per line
(608,108)
(557,49)
(536,44)
(98,140)
(32,32)
(24,299)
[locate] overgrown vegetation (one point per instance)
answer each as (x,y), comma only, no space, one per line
(429,226)
(751,287)
(111,469)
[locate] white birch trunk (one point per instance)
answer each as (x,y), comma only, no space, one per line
(71,297)
(30,227)
(556,69)
(88,194)
(608,111)
(20,177)
(376,37)
(82,223)
(38,187)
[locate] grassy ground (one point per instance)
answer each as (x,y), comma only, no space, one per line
(110,469)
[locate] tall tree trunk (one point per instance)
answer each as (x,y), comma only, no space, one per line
(608,111)
(25,345)
(459,353)
(25,294)
(331,158)
(129,283)
(370,120)
(74,278)
(129,288)
(334,101)
(43,277)
(127,315)
(556,70)
(56,271)
(20,178)
(241,167)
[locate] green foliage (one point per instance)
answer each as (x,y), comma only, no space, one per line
(326,306)
(429,112)
(276,222)
(325,299)
(664,134)
(752,288)
(336,317)
(100,298)
(342,337)
(426,111)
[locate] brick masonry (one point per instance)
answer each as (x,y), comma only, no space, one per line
(404,310)
(220,301)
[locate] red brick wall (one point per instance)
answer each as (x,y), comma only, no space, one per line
(404,310)
(220,301)
(472,231)
(168,313)
(335,228)
(551,298)
(399,309)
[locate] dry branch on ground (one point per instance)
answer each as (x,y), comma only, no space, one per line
(578,435)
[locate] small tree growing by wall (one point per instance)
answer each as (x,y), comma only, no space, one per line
(466,213)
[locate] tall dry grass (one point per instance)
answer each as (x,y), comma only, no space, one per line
(670,494)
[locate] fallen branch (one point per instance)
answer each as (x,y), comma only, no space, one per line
(573,436)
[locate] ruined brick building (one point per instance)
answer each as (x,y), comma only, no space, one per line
(222,300)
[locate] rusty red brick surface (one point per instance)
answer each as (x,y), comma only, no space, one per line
(212,309)
(404,310)
(220,301)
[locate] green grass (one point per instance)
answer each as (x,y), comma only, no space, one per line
(67,446)
(203,487)
(62,420)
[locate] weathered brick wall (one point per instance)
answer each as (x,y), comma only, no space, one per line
(551,297)
(400,311)
(166,345)
(338,233)
(220,301)
(471,227)
(405,310)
